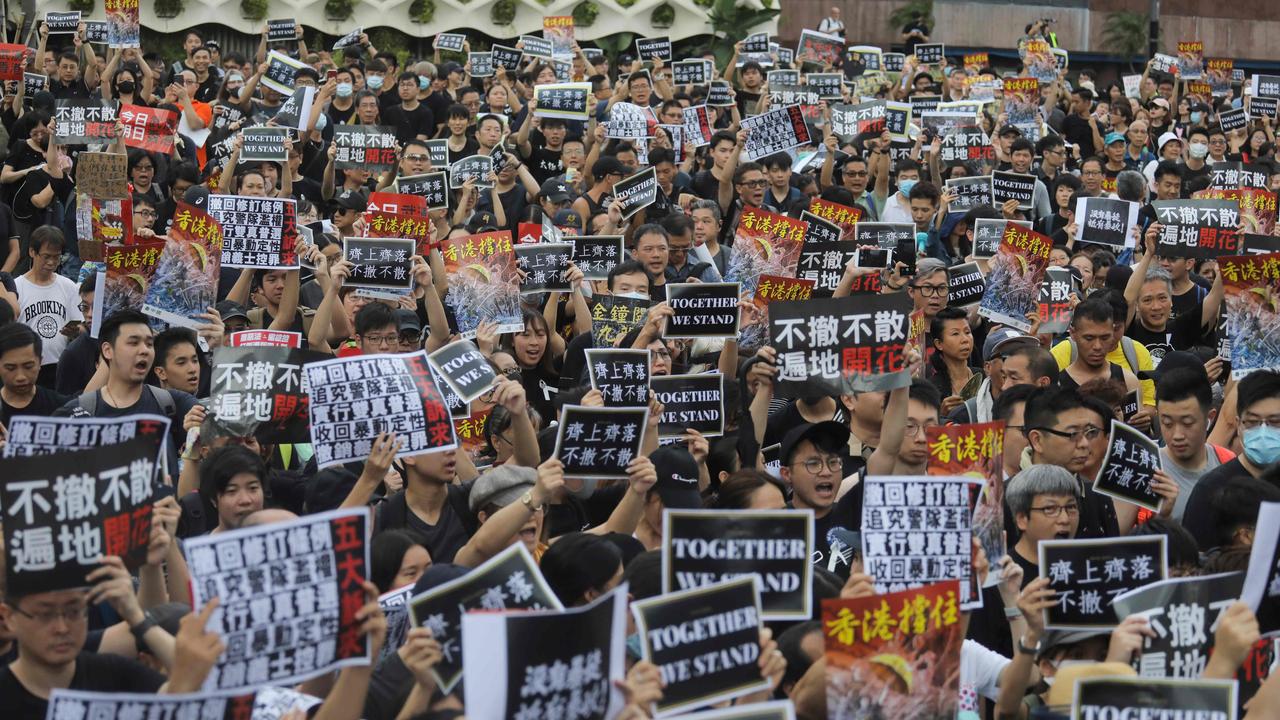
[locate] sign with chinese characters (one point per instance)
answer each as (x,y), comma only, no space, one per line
(379,224)
(103,175)
(820,230)
(364,147)
(1129,467)
(563,100)
(871,641)
(842,345)
(483,282)
(818,47)
(1087,575)
(1106,221)
(886,236)
(703,310)
(1262,582)
(1183,614)
(395,606)
(282,72)
(1055,300)
(1007,186)
(851,120)
(508,581)
(380,263)
(524,655)
(621,376)
(970,192)
(185,283)
(12,60)
(930,53)
(353,399)
(1251,323)
(289,593)
(613,316)
(824,262)
(150,129)
(353,38)
(627,122)
(828,86)
(123,28)
(599,442)
(545,266)
(453,42)
(65,703)
(481,64)
(1133,697)
(507,57)
(258,391)
(843,215)
(764,243)
(84,122)
(705,643)
(975,451)
(464,368)
(965,285)
(476,168)
(264,338)
(1014,277)
(654,48)
(755,328)
(432,187)
(987,234)
(756,43)
(32,82)
(257,232)
(774,131)
(596,255)
(690,402)
(1197,228)
(1190,59)
(64,511)
(636,192)
(691,72)
(705,547)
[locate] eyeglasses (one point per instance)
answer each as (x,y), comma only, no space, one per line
(913,429)
(85,308)
(815,465)
(417,158)
(856,173)
(754,183)
(512,373)
(1088,433)
(147,213)
(409,338)
(1251,422)
(381,339)
(48,617)
(931,290)
(1053,511)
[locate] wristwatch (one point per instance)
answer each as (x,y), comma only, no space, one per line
(1032,651)
(527,501)
(148,621)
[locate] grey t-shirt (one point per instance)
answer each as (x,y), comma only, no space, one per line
(1186,479)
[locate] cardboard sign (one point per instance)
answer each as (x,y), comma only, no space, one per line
(819,230)
(432,187)
(1129,467)
(621,376)
(1197,228)
(258,391)
(103,175)
(1014,277)
(705,547)
(508,581)
(84,122)
(1183,613)
(256,232)
(770,289)
(507,57)
(1101,697)
(572,101)
(596,255)
(705,642)
(965,285)
(1087,574)
(517,650)
(1106,221)
(481,64)
(545,266)
(1007,186)
(282,72)
(185,284)
(774,131)
(285,30)
(703,310)
(1262,582)
(599,442)
(361,147)
(397,394)
(316,630)
(65,703)
(654,49)
(464,368)
(858,355)
(691,72)
(476,168)
(690,402)
(636,192)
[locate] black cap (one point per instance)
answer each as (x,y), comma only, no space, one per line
(1173,361)
(607,165)
(567,218)
(353,200)
(555,190)
(481,220)
(230,309)
(828,434)
(407,320)
(677,478)
(1009,129)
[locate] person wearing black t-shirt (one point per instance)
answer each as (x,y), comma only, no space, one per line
(1150,297)
(1045,503)
(20,349)
(814,458)
(410,118)
(542,148)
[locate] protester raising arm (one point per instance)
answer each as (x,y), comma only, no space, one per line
(437,320)
(884,461)
(420,653)
(112,584)
(725,197)
(641,476)
(1236,636)
(499,530)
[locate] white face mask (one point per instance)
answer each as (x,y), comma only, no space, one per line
(632,295)
(1198,150)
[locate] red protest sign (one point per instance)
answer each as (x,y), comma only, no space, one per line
(150,129)
(379,224)
(12,58)
(398,204)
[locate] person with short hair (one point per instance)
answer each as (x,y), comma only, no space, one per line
(1060,430)
(1045,502)
(49,303)
(20,352)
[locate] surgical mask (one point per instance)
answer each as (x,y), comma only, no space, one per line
(126,87)
(904,186)
(922,241)
(633,646)
(632,295)
(374,82)
(1198,150)
(423,82)
(1196,117)
(322,122)
(345,90)
(1262,445)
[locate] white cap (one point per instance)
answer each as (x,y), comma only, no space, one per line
(1167,137)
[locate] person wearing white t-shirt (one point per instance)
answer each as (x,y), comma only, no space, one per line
(50,303)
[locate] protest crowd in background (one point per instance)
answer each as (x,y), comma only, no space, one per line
(831,381)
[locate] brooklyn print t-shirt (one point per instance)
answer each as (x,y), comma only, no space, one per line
(47,309)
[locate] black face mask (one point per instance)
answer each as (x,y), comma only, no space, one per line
(126,88)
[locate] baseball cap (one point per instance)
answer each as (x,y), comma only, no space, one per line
(407,320)
(1159,102)
(677,478)
(450,68)
(555,190)
(353,200)
(1004,340)
(1113,137)
(607,165)
(1167,138)
(1008,129)
(480,220)
(231,309)
(501,486)
(1174,361)
(826,434)
(567,218)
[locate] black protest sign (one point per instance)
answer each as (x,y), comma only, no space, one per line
(893,62)
(930,53)
(452,42)
(64,511)
(439,152)
(886,236)
(820,230)
(873,258)
(282,72)
(263,143)
(636,192)
(534,46)
(599,442)
(1055,300)
(432,187)
(705,547)
(851,120)
(916,530)
(1096,698)
(353,399)
(613,316)
(1197,228)
(362,147)
(464,368)
(1264,107)
(1259,244)
(506,57)
(965,285)
(38,435)
(705,643)
(827,85)
(988,232)
(1106,221)
(719,94)
(921,104)
(84,122)
(563,100)
(596,255)
(621,376)
(459,409)
(224,116)
(690,72)
(96,31)
(1129,467)
(774,131)
(481,64)
(285,30)
(474,167)
(380,263)
(1233,175)
(62,22)
(545,266)
(1183,614)
(965,143)
(823,262)
(690,402)
(755,43)
(654,48)
(897,119)
(565,662)
(1232,120)
(395,606)
(312,570)
(258,391)
(843,345)
(100,705)
(703,310)
(1007,186)
(970,192)
(509,580)
(1086,575)
(1262,582)
(257,232)
(351,38)
(33,83)
(780,95)
(1266,86)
